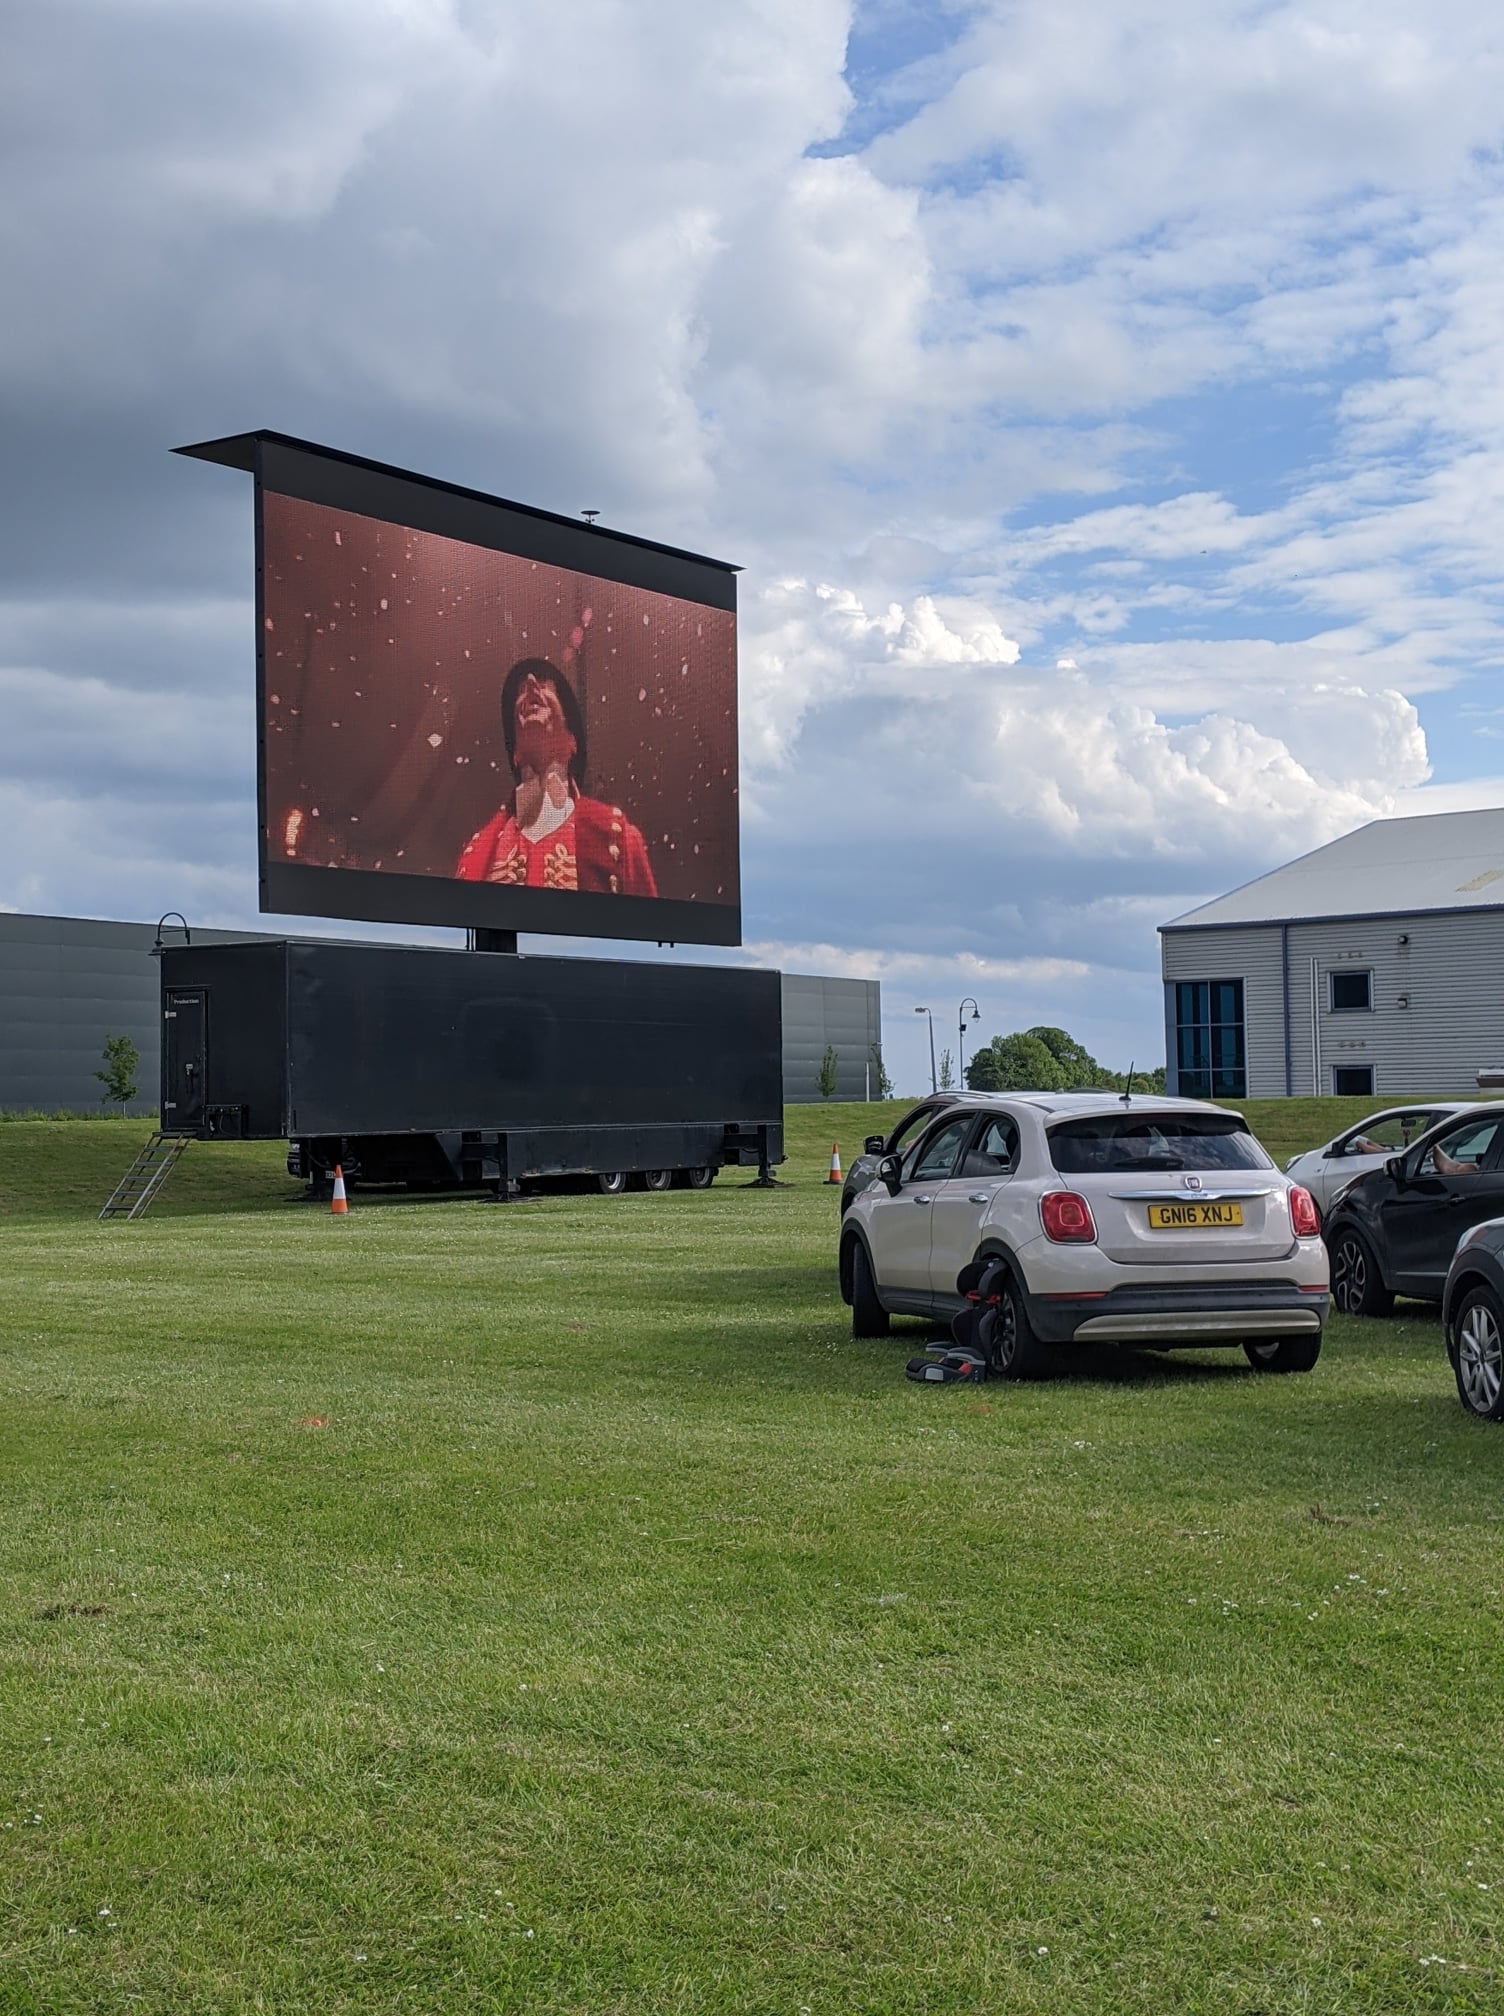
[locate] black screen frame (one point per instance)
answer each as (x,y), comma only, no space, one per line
(314,474)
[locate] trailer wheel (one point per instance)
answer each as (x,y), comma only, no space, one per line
(702,1178)
(657,1179)
(612,1182)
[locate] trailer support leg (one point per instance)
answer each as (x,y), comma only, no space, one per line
(501,1185)
(764,1179)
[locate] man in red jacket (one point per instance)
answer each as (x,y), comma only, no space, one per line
(552,836)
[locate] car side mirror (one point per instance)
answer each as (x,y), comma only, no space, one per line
(1394,1168)
(887,1174)
(874,1145)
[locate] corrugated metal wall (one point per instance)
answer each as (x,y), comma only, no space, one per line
(65,984)
(68,982)
(62,991)
(847,1015)
(1438,999)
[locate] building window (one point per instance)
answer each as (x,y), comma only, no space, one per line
(1210,1055)
(1352,993)
(1353,1081)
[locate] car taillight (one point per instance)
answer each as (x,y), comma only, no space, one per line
(1305,1219)
(1067,1218)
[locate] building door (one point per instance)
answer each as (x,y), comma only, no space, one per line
(185,1059)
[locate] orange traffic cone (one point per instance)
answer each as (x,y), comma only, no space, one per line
(835,1163)
(338,1203)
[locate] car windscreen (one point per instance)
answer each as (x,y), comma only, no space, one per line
(1115,1143)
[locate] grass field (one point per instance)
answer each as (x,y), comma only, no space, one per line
(550,1608)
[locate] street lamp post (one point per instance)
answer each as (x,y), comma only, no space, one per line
(934,1081)
(976,1016)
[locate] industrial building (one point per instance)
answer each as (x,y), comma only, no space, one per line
(68,982)
(1373,966)
(821,1012)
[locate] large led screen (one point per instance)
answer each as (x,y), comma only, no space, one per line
(494,729)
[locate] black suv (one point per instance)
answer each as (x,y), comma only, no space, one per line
(1394,1231)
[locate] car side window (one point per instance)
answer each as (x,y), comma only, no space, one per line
(908,1130)
(996,1152)
(1463,1152)
(938,1153)
(1390,1136)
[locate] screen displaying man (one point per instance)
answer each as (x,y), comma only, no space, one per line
(552,835)
(427,704)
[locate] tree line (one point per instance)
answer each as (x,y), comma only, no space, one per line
(1042,1059)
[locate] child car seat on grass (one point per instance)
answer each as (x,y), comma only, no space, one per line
(974,1353)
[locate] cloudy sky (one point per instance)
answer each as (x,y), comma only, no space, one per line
(1103,400)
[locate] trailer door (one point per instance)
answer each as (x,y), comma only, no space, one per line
(185,1059)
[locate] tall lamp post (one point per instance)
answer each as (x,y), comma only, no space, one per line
(976,1016)
(934,1082)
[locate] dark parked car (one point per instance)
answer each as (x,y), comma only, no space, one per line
(1395,1230)
(864,1169)
(1472,1310)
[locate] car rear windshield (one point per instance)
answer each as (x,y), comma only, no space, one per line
(1111,1143)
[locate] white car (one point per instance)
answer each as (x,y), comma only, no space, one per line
(1369,1145)
(1147,1221)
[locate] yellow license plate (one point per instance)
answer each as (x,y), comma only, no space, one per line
(1200,1217)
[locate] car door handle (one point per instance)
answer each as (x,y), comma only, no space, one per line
(978,1197)
(924,1200)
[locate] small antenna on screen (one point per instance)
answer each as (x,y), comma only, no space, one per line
(1128,1088)
(590,516)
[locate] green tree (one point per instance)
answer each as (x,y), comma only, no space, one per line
(1046,1059)
(825,1077)
(1079,1070)
(1146,1081)
(947,1072)
(882,1084)
(1017,1063)
(122,1061)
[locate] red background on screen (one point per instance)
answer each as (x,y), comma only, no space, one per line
(385,650)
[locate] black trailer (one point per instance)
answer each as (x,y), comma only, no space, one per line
(435,1069)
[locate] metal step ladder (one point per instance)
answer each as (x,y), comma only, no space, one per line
(146,1175)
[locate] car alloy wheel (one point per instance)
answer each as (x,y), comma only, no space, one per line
(612,1182)
(1480,1356)
(702,1177)
(657,1179)
(1357,1288)
(1017,1352)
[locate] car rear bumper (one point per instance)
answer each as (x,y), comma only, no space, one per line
(1195,1315)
